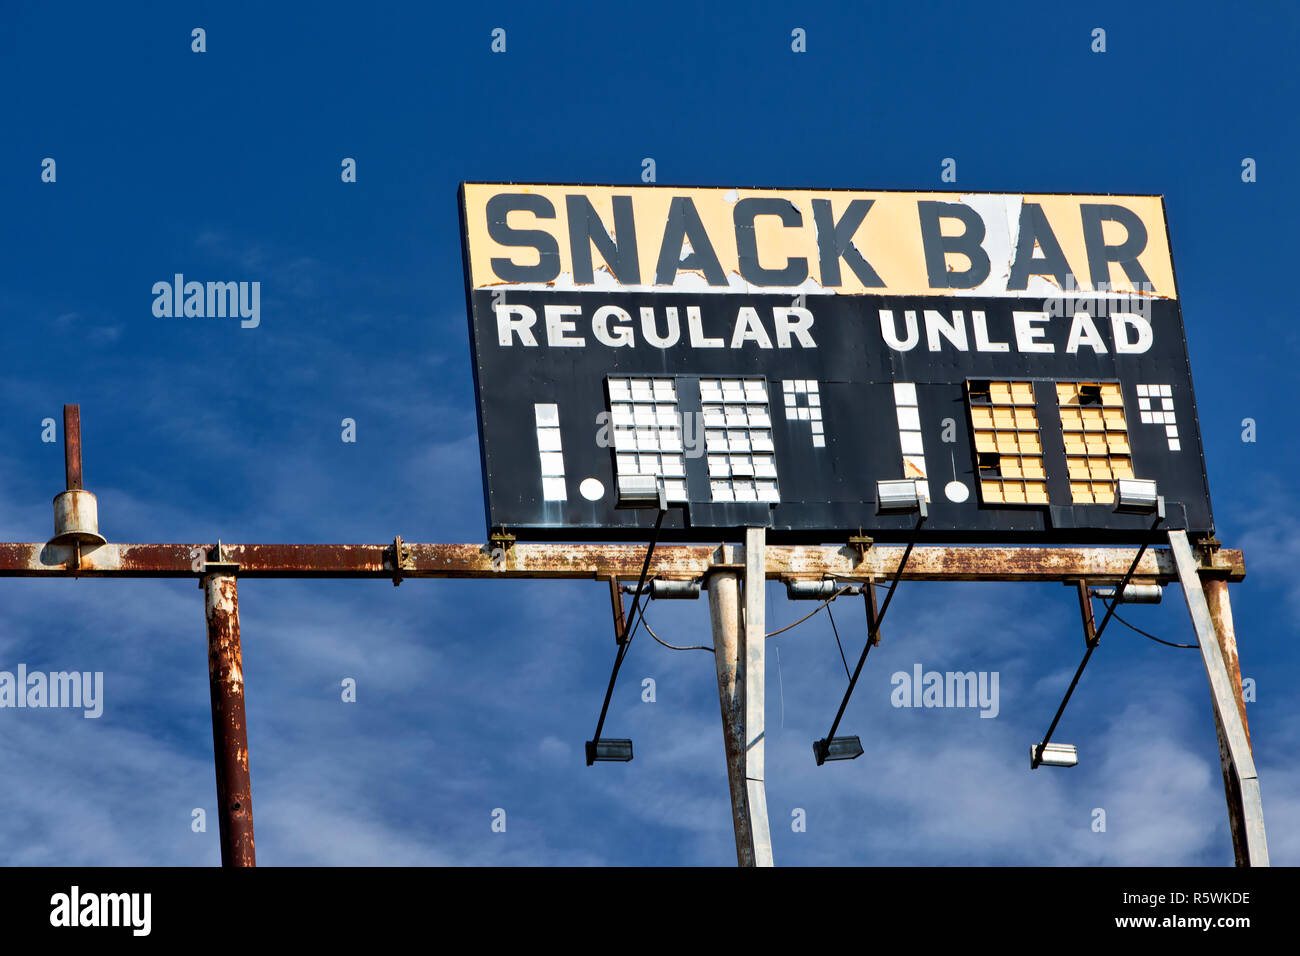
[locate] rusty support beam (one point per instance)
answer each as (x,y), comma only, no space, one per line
(724,615)
(72,446)
(229,729)
(1216,596)
(873,611)
(1085,610)
(730,655)
(1101,565)
(616,605)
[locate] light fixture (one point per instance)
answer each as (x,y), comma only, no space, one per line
(76,511)
(900,497)
(831,747)
(1053,755)
(837,748)
(817,590)
(642,491)
(1134,495)
(614,749)
(1133,594)
(1137,496)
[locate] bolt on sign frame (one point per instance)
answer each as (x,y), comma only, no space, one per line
(766,357)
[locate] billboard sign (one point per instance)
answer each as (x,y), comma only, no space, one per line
(766,356)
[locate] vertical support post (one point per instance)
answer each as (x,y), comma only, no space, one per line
(754,624)
(1241,783)
(724,614)
(1216,597)
(616,605)
(739,653)
(229,730)
(873,611)
(72,446)
(1085,610)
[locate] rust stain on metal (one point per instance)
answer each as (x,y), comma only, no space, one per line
(1085,610)
(1232,792)
(72,446)
(1216,596)
(229,729)
(616,606)
(724,610)
(1101,565)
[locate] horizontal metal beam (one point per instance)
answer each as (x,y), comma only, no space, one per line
(584,561)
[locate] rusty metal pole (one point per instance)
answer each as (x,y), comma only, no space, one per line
(616,605)
(229,730)
(72,446)
(738,653)
(1085,610)
(724,612)
(1216,596)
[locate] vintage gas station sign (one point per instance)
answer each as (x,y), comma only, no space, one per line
(768,355)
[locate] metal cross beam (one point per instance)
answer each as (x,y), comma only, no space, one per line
(587,561)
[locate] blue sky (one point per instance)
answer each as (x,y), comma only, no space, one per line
(478,695)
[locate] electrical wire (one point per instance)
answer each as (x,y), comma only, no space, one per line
(836,631)
(640,619)
(673,647)
(847,587)
(1152,636)
(700,647)
(780,683)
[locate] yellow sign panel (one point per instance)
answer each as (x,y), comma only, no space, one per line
(662,238)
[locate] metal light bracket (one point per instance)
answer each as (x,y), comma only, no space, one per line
(1209,546)
(616,605)
(1090,638)
(399,554)
(216,563)
(861,543)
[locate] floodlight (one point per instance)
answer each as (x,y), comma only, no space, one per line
(1137,496)
(1053,755)
(817,590)
(641,491)
(837,748)
(612,749)
(899,497)
(1133,594)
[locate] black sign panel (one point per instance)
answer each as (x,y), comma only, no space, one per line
(782,404)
